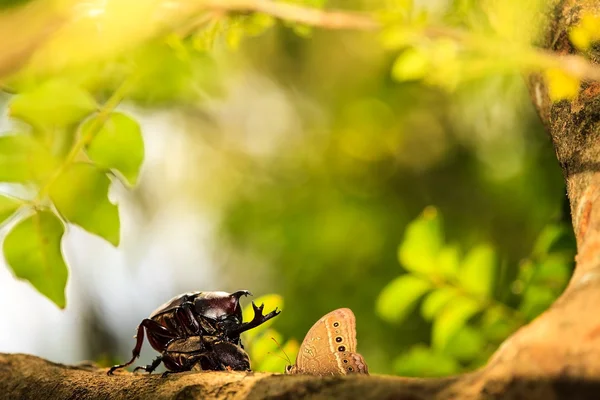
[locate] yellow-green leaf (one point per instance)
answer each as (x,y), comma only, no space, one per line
(448,262)
(117,145)
(400,296)
(271,301)
(454,316)
(56,103)
(422,361)
(561,85)
(8,205)
(423,241)
(80,194)
(435,302)
(478,271)
(32,251)
(411,65)
(23,159)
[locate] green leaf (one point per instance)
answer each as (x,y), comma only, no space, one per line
(23,159)
(423,241)
(536,300)
(8,206)
(478,271)
(413,64)
(117,145)
(400,296)
(465,345)
(546,239)
(553,272)
(454,316)
(271,301)
(55,103)
(32,250)
(435,302)
(496,326)
(266,355)
(448,262)
(423,361)
(80,194)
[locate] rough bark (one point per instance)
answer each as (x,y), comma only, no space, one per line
(556,356)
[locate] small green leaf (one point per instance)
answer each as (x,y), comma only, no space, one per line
(80,194)
(448,262)
(454,316)
(8,206)
(413,64)
(435,302)
(496,326)
(478,271)
(465,345)
(546,239)
(536,300)
(400,296)
(553,272)
(271,301)
(423,241)
(423,361)
(23,159)
(55,103)
(117,145)
(32,250)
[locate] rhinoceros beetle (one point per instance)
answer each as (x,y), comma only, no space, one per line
(209,352)
(202,314)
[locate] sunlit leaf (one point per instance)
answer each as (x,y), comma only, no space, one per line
(55,103)
(411,65)
(400,296)
(478,271)
(435,301)
(32,250)
(454,316)
(561,85)
(422,361)
(117,145)
(585,32)
(24,159)
(276,361)
(8,205)
(422,243)
(465,345)
(448,262)
(80,194)
(271,301)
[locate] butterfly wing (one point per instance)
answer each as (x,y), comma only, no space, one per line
(329,347)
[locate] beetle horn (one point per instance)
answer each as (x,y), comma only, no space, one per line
(241,293)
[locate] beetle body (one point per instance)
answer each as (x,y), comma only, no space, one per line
(217,315)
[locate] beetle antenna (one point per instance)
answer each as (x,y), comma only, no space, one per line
(287,358)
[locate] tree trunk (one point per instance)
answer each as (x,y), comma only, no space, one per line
(556,356)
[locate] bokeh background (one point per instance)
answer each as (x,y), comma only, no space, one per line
(291,163)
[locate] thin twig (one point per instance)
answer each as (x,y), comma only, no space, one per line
(297,13)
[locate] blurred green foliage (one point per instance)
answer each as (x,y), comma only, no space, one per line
(459,295)
(341,138)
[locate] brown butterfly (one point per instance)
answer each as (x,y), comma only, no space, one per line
(329,347)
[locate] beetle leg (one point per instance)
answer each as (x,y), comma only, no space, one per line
(258,319)
(185,317)
(157,328)
(150,367)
